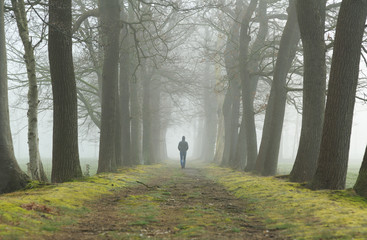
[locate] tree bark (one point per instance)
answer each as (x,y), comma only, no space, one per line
(333,158)
(65,153)
(147,118)
(155,136)
(136,141)
(210,119)
(110,24)
(361,185)
(245,38)
(125,76)
(118,133)
(250,91)
(311,20)
(135,102)
(219,144)
(232,98)
(267,159)
(11,177)
(36,168)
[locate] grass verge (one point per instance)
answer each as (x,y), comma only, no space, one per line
(299,212)
(43,209)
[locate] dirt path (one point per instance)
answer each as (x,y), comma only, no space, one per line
(171,204)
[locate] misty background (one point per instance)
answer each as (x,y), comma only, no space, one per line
(88,145)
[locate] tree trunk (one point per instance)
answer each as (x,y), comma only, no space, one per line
(125,76)
(250,91)
(361,185)
(65,153)
(135,104)
(155,135)
(210,121)
(118,133)
(267,159)
(311,19)
(36,168)
(231,113)
(110,24)
(136,143)
(147,118)
(245,38)
(333,158)
(210,116)
(219,144)
(234,127)
(163,143)
(232,98)
(11,177)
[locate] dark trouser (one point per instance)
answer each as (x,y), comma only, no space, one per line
(183,159)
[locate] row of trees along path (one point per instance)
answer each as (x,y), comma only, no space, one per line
(171,203)
(322,157)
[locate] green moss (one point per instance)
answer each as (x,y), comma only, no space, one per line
(43,208)
(236,230)
(299,212)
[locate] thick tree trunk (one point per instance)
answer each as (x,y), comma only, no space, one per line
(125,76)
(311,19)
(361,185)
(333,158)
(11,177)
(110,24)
(250,91)
(36,168)
(230,112)
(240,157)
(65,153)
(267,159)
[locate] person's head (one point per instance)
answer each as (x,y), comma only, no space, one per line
(183,138)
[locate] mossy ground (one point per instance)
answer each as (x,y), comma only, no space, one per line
(171,204)
(165,202)
(41,210)
(298,211)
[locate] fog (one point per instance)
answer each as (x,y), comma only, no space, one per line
(189,64)
(89,148)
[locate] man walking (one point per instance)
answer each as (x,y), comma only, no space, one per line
(183,146)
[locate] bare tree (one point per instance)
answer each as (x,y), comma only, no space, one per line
(267,159)
(36,168)
(247,89)
(231,103)
(311,20)
(333,158)
(124,88)
(250,85)
(11,177)
(110,24)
